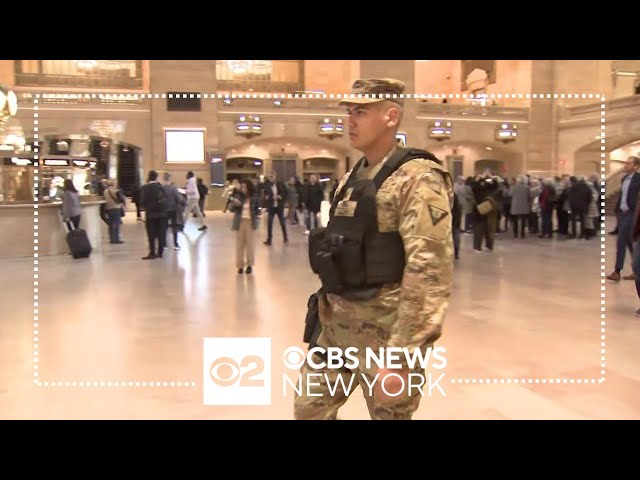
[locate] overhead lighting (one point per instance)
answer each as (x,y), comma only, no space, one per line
(257,67)
(626,73)
(440,130)
(506,132)
(248,126)
(330,128)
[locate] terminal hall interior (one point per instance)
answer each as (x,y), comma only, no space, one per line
(538,324)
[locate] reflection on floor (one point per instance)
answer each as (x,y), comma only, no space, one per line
(530,310)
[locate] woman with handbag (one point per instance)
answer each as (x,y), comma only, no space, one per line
(485,214)
(114,207)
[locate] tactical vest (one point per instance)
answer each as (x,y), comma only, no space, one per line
(350,253)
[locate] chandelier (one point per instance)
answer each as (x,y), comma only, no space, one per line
(86,64)
(8,109)
(259,67)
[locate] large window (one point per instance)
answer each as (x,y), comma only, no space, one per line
(186,146)
(278,76)
(79,73)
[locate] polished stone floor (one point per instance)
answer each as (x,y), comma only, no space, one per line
(530,310)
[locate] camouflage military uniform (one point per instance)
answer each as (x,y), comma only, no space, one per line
(415,201)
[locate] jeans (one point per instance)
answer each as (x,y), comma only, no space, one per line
(625,224)
(113,214)
(273,212)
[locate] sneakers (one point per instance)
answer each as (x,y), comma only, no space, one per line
(177,247)
(631,276)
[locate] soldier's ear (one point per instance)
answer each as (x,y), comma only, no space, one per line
(392,117)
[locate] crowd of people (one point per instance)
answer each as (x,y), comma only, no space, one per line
(567,206)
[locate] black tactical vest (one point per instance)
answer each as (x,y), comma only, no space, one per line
(350,253)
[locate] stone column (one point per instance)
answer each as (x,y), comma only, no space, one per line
(540,156)
(195,76)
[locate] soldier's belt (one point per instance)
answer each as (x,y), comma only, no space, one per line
(360,294)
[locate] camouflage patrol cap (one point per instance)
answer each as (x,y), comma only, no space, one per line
(372,90)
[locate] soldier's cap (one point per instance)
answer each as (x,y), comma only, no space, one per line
(373,90)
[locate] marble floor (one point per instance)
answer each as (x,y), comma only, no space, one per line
(530,310)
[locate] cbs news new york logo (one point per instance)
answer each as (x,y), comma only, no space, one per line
(237,371)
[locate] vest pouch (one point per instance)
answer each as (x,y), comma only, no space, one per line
(317,246)
(350,260)
(385,260)
(312,326)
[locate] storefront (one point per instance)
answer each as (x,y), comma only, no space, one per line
(27,222)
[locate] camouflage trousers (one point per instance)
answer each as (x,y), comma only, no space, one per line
(360,325)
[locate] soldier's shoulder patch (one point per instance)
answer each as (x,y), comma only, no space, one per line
(437,214)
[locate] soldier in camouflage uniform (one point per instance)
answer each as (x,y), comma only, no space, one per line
(415,201)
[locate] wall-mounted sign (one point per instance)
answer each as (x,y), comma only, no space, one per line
(440,130)
(216,169)
(249,126)
(331,128)
(506,132)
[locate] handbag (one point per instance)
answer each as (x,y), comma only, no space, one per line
(485,207)
(115,200)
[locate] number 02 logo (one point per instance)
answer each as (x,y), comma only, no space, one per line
(225,371)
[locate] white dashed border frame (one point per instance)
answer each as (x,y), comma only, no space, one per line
(135,96)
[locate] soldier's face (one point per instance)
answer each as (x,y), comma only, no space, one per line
(367,124)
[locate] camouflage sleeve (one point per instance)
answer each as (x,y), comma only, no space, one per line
(424,216)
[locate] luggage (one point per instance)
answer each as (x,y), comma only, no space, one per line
(78,242)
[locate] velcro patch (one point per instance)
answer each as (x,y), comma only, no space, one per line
(437,214)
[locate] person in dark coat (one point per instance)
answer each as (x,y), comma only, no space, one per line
(579,196)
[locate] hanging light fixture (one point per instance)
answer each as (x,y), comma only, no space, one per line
(239,66)
(8,108)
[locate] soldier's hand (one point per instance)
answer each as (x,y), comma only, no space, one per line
(395,386)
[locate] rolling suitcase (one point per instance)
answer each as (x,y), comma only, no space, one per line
(78,241)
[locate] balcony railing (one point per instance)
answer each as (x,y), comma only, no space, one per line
(85,81)
(259,86)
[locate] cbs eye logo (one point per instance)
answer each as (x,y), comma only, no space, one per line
(225,371)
